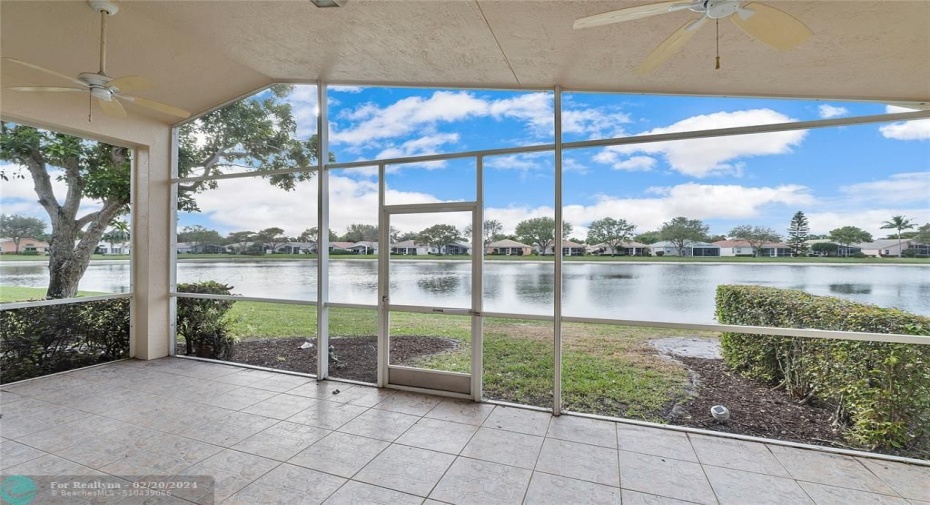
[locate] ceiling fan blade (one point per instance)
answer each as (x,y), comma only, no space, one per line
(771,26)
(112,108)
(669,46)
(46,88)
(130,83)
(160,107)
(43,69)
(629,14)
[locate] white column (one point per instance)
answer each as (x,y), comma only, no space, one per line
(322,241)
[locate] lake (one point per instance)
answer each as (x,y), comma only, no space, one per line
(640,291)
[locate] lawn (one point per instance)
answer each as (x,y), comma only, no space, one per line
(607,369)
(17,294)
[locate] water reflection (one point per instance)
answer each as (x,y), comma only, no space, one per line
(640,291)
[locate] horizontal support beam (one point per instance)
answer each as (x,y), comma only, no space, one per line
(236,298)
(62,301)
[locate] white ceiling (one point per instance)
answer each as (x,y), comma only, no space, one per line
(202,53)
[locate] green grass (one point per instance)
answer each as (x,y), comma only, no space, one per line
(607,369)
(17,294)
(39,257)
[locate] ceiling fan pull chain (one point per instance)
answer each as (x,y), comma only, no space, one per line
(90,107)
(717,25)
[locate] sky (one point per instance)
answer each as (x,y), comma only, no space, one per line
(838,176)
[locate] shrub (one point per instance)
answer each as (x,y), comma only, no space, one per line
(202,322)
(36,341)
(882,390)
(660,253)
(859,255)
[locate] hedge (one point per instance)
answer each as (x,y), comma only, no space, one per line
(881,391)
(36,341)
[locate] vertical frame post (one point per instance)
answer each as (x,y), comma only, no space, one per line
(557,249)
(384,257)
(477,283)
(173,245)
(322,240)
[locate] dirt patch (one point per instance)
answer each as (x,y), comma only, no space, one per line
(356,358)
(688,347)
(755,409)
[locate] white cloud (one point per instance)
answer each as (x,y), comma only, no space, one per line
(631,164)
(917,129)
(345,89)
(869,220)
(428,144)
(716,156)
(830,111)
(902,188)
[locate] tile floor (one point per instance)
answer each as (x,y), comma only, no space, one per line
(276,438)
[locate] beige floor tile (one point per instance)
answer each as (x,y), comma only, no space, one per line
(831,495)
(668,477)
(281,383)
(358,493)
(504,447)
(239,398)
(473,482)
(461,411)
(65,435)
(281,441)
(736,454)
(327,415)
(381,424)
(829,469)
(409,403)
(119,444)
(281,406)
(363,396)
(436,435)
(406,469)
(230,429)
(910,481)
(586,431)
(14,453)
(579,461)
(231,471)
(340,454)
(245,376)
(552,489)
(737,488)
(288,484)
(637,498)
(323,390)
(526,421)
(655,441)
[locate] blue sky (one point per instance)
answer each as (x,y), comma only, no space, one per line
(854,175)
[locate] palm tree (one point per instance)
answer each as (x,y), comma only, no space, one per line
(898,223)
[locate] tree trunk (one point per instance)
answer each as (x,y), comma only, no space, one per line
(68,257)
(16,245)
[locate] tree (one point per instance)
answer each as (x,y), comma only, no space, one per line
(610,231)
(118,233)
(239,241)
(755,236)
(90,170)
(405,236)
(898,223)
(439,235)
(271,237)
(649,237)
(312,234)
(848,235)
(681,230)
(798,234)
(923,235)
(361,233)
(716,238)
(257,134)
(825,248)
(19,227)
(492,228)
(540,231)
(198,236)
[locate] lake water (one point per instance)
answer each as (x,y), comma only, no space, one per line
(639,291)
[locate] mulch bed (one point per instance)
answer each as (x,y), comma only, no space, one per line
(755,409)
(357,357)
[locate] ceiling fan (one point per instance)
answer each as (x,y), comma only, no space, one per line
(766,24)
(107,90)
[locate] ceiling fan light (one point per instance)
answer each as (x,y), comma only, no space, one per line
(328,3)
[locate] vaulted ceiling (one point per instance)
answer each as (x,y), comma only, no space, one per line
(202,53)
